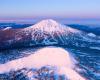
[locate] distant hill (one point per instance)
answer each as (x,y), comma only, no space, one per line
(88,28)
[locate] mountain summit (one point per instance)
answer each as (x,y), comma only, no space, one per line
(49,26)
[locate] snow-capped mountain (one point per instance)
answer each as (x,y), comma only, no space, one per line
(7,28)
(91,34)
(50,32)
(46,32)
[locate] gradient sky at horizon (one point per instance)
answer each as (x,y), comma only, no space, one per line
(49,8)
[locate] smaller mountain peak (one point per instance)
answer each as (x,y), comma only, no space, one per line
(7,28)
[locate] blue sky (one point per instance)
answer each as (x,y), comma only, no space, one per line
(49,8)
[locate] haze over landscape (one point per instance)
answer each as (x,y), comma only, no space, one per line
(61,10)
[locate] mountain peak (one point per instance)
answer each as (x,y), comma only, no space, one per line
(48,25)
(50,21)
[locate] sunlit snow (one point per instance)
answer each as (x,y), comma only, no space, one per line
(49,56)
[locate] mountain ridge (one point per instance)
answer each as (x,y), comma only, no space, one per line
(45,32)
